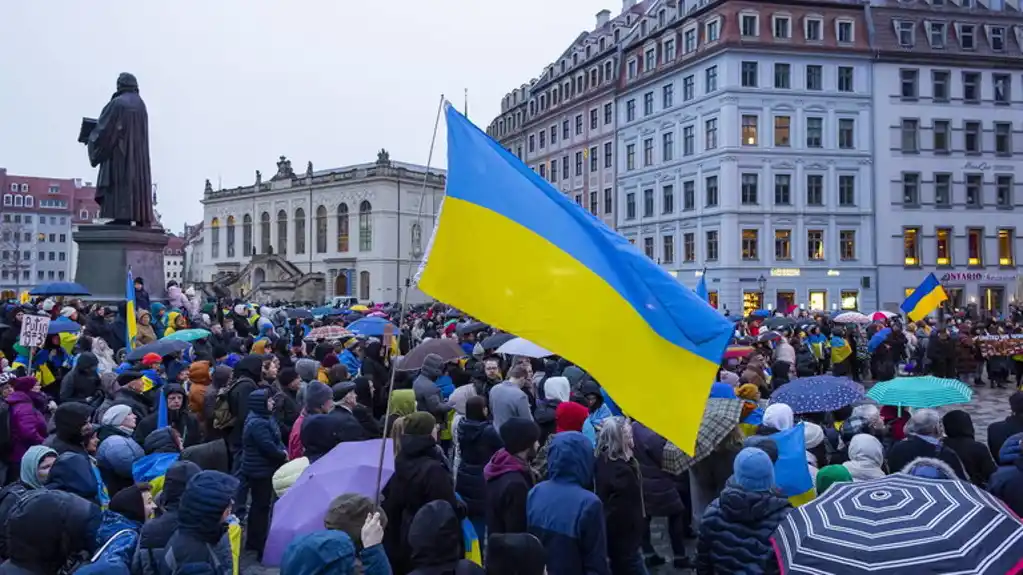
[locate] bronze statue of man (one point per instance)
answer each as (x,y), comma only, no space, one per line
(119,145)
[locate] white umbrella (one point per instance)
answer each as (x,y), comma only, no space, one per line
(523,347)
(851,317)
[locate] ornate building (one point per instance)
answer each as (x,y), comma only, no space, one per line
(354,231)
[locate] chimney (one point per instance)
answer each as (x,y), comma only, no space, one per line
(627,5)
(602,18)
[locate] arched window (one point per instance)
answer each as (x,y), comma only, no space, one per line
(417,239)
(264,233)
(342,227)
(299,231)
(215,238)
(321,230)
(29,201)
(230,236)
(246,236)
(365,227)
(282,232)
(19,201)
(364,286)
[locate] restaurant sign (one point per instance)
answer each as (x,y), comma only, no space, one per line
(977,277)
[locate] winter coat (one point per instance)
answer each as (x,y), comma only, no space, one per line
(115,457)
(478,441)
(618,484)
(329,552)
(806,363)
(28,424)
(74,473)
(976,457)
(508,481)
(428,397)
(199,379)
(967,360)
(39,547)
(82,383)
(262,447)
(660,489)
(182,420)
(545,417)
(295,447)
(248,377)
(1006,482)
(735,532)
(942,354)
(565,515)
(210,456)
(914,446)
(506,401)
(286,409)
(435,543)
(999,431)
(352,363)
(139,403)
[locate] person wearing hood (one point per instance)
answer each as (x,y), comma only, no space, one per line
(999,431)
(436,544)
(421,475)
(376,365)
(515,554)
(35,469)
(26,404)
(924,439)
(285,394)
(306,369)
(220,380)
(930,468)
(777,417)
(599,410)
(619,486)
(478,441)
(82,383)
(403,402)
(145,334)
(156,533)
(330,552)
(178,417)
(735,533)
(130,393)
(428,396)
(118,451)
(263,452)
(974,455)
(321,433)
(362,407)
(176,321)
(1006,482)
(72,429)
(564,514)
(283,354)
(201,541)
(38,547)
(200,376)
(247,377)
(556,391)
(142,301)
(318,399)
(866,458)
(351,357)
(75,473)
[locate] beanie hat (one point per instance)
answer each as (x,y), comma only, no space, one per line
(829,475)
(748,391)
(570,416)
(316,394)
(763,443)
(115,415)
(348,513)
(420,423)
(48,305)
(151,359)
(341,389)
(128,502)
(330,360)
(519,434)
(24,383)
(753,470)
(515,554)
(175,481)
(67,311)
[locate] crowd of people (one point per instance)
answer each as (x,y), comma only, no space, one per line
(171,463)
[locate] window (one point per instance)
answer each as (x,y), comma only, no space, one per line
(907,33)
(782,189)
(578,163)
(711,189)
(608,113)
(1003,138)
(29,201)
(689,41)
(782,27)
(630,206)
(941,132)
(593,203)
(749,130)
(814,132)
(689,247)
(608,154)
(669,50)
(631,66)
(554,135)
(532,143)
(648,103)
(910,141)
(975,247)
(230,236)
(815,245)
(846,190)
(214,237)
(710,79)
(648,203)
(364,285)
(996,37)
(845,32)
(974,190)
(911,247)
(783,245)
(564,168)
(845,79)
(668,249)
(749,74)
(594,119)
(966,36)
(782,76)
(594,159)
(688,140)
(846,133)
(814,190)
(667,199)
(910,189)
(936,34)
(1006,255)
(19,201)
(608,200)
(554,171)
(365,227)
(749,25)
(564,130)
(972,137)
(971,87)
(814,77)
(1003,191)
(688,87)
(847,245)
(668,146)
(630,156)
(648,247)
(943,245)
(648,152)
(710,129)
(578,124)
(908,83)
(300,231)
(649,59)
(543,139)
(814,27)
(749,189)
(543,170)
(750,245)
(667,96)
(713,31)
(1002,84)
(939,85)
(630,110)
(711,240)
(943,190)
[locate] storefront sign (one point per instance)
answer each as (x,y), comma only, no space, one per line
(977,277)
(785,272)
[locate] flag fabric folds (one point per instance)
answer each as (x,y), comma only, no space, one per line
(924,299)
(840,349)
(580,290)
(129,312)
(791,471)
(701,287)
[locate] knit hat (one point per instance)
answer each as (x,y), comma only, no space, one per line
(515,554)
(829,475)
(748,391)
(557,388)
(307,368)
(69,419)
(570,416)
(763,443)
(348,513)
(175,481)
(316,394)
(115,415)
(151,359)
(128,502)
(48,305)
(330,360)
(813,434)
(286,376)
(753,470)
(420,423)
(207,495)
(519,434)
(67,311)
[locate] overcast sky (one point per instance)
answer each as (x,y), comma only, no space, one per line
(233,84)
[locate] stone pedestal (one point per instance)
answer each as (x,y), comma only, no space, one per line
(105,252)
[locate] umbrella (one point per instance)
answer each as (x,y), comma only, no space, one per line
(358,307)
(769,336)
(160,347)
(373,326)
(805,323)
(851,317)
(189,335)
(378,314)
(877,339)
(720,417)
(321,311)
(881,315)
(927,391)
(447,349)
(60,288)
(900,524)
(497,340)
(737,351)
(760,314)
(471,327)
(63,325)
(350,467)
(327,332)
(818,393)
(776,322)
(299,313)
(524,347)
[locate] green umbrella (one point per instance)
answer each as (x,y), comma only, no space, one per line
(188,335)
(926,391)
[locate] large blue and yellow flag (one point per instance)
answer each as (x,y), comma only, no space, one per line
(129,311)
(791,471)
(924,299)
(579,290)
(701,287)
(840,349)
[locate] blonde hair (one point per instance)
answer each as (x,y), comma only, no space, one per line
(397,432)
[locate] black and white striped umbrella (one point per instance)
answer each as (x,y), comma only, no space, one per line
(901,525)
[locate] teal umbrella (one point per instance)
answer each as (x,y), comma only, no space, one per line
(926,391)
(188,335)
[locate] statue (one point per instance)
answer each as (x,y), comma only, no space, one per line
(309,170)
(284,170)
(209,187)
(259,178)
(383,158)
(119,144)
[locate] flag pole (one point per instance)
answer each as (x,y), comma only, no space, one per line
(404,300)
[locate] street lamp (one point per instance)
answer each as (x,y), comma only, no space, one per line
(761,283)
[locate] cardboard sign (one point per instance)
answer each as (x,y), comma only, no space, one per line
(33,330)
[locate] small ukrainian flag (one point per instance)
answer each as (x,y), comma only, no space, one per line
(791,473)
(924,299)
(129,311)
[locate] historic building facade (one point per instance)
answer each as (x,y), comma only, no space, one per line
(355,230)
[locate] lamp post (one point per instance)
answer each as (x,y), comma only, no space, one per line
(761,283)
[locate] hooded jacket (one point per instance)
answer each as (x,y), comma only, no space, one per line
(82,383)
(329,552)
(428,396)
(976,457)
(735,533)
(42,547)
(866,458)
(478,441)
(28,424)
(73,473)
(930,468)
(199,379)
(248,377)
(262,447)
(508,481)
(182,420)
(564,514)
(145,333)
(201,536)
(68,421)
(155,534)
(115,457)
(435,542)
(1007,482)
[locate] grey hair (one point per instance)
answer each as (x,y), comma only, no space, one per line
(925,422)
(611,439)
(867,411)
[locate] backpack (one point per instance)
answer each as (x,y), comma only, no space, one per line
(223,417)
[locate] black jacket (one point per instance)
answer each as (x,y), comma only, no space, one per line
(82,383)
(975,456)
(478,441)
(140,405)
(619,488)
(735,534)
(263,449)
(509,480)
(210,456)
(999,431)
(913,447)
(286,409)
(435,543)
(248,376)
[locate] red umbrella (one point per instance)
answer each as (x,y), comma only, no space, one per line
(328,332)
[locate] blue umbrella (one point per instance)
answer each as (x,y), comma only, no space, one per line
(63,325)
(877,339)
(760,313)
(161,347)
(372,326)
(60,288)
(818,393)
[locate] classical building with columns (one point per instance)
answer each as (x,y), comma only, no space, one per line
(356,231)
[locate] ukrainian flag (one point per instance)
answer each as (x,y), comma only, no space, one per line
(701,287)
(581,289)
(924,299)
(840,350)
(129,311)
(791,473)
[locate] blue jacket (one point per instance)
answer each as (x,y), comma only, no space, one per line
(735,534)
(352,363)
(564,514)
(1006,482)
(263,449)
(332,553)
(75,473)
(478,441)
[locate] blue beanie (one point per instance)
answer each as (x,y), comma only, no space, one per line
(207,495)
(753,470)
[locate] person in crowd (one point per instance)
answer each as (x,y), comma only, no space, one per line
(436,544)
(556,391)
(34,472)
(564,514)
(219,387)
(708,478)
(924,439)
(200,542)
(568,416)
(130,393)
(72,429)
(44,546)
(478,441)
(351,513)
(286,406)
(942,354)
(1006,483)
(866,458)
(145,333)
(508,399)
(376,365)
(999,431)
(815,444)
(330,552)
(735,532)
(318,399)
(515,554)
(618,484)
(930,468)
(351,357)
(662,496)
(178,416)
(28,406)
(777,417)
(830,475)
(428,395)
(200,376)
(118,451)
(320,434)
(156,533)
(362,406)
(246,378)
(345,402)
(974,455)
(82,382)
(509,477)
(263,452)
(74,473)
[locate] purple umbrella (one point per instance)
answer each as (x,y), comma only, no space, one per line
(350,467)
